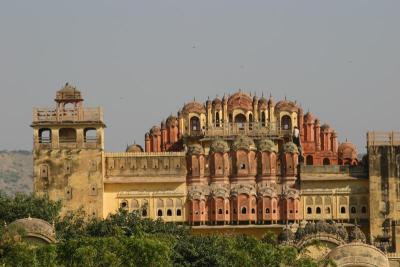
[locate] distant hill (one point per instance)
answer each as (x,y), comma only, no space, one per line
(16,169)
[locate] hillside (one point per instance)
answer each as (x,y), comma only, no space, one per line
(16,171)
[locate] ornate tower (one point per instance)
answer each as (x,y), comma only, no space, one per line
(68,152)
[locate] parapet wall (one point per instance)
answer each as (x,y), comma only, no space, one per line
(145,164)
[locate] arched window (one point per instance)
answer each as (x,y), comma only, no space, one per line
(169,212)
(242,166)
(44,136)
(90,135)
(266,210)
(226,211)
(144,213)
(124,204)
(220,211)
(309,210)
(309,160)
(327,210)
(253,211)
(234,211)
(244,210)
(326,161)
(250,121)
(240,120)
(67,135)
(343,210)
(363,210)
(353,210)
(178,212)
(318,210)
(195,123)
(263,118)
(159,213)
(286,123)
(217,119)
(273,211)
(230,118)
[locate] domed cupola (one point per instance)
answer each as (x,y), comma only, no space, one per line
(135,148)
(217,103)
(219,146)
(172,121)
(262,103)
(356,235)
(267,145)
(195,149)
(243,142)
(193,107)
(290,147)
(286,236)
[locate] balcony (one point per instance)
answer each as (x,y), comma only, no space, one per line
(252,129)
(43,115)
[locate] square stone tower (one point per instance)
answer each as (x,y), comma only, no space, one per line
(384,187)
(68,153)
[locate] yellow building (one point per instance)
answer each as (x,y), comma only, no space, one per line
(230,165)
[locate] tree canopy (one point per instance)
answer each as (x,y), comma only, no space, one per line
(126,239)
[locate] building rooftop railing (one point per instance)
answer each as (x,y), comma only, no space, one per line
(42,115)
(383,139)
(253,129)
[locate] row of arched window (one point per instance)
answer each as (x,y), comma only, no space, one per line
(353,210)
(241,119)
(310,160)
(67,135)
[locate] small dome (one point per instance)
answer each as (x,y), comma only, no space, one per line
(325,127)
(216,102)
(195,149)
(262,103)
(309,117)
(356,235)
(155,130)
(290,148)
(286,235)
(342,232)
(240,100)
(219,146)
(347,150)
(147,135)
(286,105)
(68,93)
(267,145)
(194,107)
(358,254)
(255,99)
(243,142)
(134,148)
(172,121)
(35,228)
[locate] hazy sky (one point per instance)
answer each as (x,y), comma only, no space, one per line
(141,60)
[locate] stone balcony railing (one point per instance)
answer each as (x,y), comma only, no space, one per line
(253,129)
(383,139)
(42,115)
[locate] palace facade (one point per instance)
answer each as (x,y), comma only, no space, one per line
(230,164)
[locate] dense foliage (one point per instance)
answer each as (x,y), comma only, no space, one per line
(126,239)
